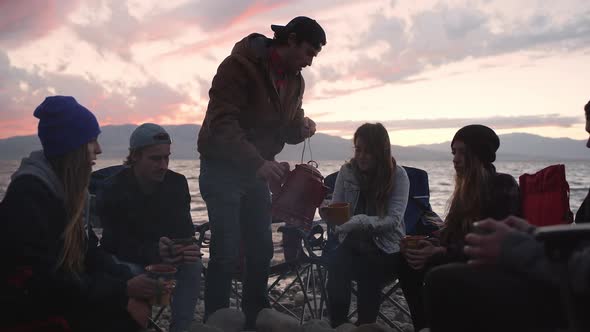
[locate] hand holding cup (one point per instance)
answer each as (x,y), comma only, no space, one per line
(169,251)
(141,287)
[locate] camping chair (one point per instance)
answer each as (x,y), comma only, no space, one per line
(302,266)
(98,180)
(418,206)
(310,274)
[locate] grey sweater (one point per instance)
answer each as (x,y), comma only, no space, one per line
(386,232)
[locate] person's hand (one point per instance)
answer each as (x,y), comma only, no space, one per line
(276,186)
(484,244)
(191,253)
(519,224)
(357,222)
(417,257)
(272,171)
(308,128)
(169,252)
(141,287)
(140,311)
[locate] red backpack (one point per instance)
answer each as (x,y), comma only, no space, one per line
(545,197)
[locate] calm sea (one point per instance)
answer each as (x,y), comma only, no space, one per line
(440,175)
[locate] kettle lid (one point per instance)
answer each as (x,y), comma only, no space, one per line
(311,167)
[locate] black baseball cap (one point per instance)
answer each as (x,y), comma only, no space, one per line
(305,28)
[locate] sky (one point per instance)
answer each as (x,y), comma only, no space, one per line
(422,68)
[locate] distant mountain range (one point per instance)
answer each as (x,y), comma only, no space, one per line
(514,147)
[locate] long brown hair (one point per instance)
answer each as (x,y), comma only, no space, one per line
(377,184)
(73,169)
(468,200)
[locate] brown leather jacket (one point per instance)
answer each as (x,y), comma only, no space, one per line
(247,121)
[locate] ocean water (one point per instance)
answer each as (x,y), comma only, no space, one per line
(440,177)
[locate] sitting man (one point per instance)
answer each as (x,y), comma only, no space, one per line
(143,209)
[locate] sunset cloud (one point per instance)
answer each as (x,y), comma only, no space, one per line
(390,61)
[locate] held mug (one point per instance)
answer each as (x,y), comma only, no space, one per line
(164,275)
(336,213)
(413,241)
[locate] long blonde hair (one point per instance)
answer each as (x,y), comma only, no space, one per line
(73,169)
(468,200)
(379,183)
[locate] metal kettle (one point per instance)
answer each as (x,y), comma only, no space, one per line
(302,192)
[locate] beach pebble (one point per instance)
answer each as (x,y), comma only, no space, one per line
(372,328)
(346,327)
(270,320)
(299,299)
(200,327)
(408,327)
(316,325)
(227,319)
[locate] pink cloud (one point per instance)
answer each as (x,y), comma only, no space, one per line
(25,20)
(201,46)
(255,9)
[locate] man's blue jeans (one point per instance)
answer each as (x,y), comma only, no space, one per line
(238,204)
(185,294)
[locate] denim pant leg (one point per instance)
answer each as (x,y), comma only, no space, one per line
(255,219)
(185,296)
(221,191)
(341,270)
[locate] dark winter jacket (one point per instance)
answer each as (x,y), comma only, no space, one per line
(133,222)
(247,121)
(32,288)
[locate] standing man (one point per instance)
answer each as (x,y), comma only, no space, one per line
(254,109)
(143,209)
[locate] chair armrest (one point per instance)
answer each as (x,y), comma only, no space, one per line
(311,240)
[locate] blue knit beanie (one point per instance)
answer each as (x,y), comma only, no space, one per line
(64,125)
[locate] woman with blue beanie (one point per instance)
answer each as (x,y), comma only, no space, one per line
(53,275)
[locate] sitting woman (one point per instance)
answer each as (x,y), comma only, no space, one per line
(480,192)
(376,189)
(54,276)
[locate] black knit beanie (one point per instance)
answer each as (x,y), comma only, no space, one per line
(481,140)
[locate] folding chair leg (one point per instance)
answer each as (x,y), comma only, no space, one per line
(323,291)
(159,313)
(152,321)
(305,297)
(389,322)
(387,296)
(152,325)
